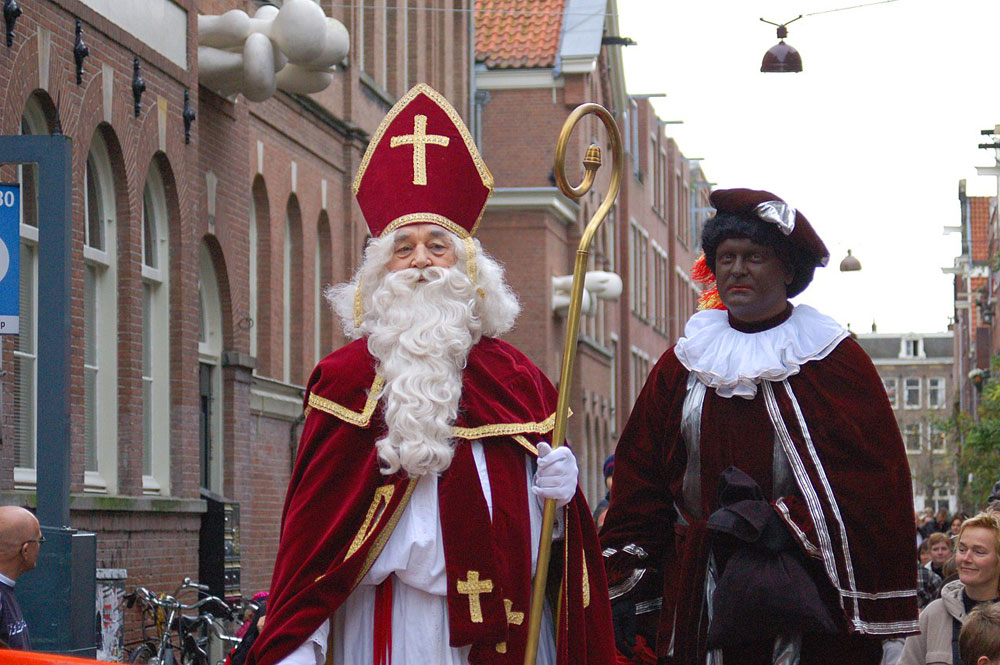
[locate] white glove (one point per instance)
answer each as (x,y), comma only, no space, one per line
(557,474)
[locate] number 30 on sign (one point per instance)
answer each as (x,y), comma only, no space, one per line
(10,273)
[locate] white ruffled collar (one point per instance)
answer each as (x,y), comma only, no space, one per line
(733,362)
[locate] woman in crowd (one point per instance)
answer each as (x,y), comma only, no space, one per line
(977,557)
(956,524)
(940,546)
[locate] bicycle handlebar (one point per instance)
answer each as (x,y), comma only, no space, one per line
(168,602)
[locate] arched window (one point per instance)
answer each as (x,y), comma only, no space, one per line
(209,374)
(155,337)
(33,121)
(292,306)
(258,275)
(100,362)
(323,272)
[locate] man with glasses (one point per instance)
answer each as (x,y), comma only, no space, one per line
(20,540)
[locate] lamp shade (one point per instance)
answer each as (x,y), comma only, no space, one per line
(781,58)
(850,263)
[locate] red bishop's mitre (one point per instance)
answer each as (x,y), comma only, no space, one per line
(422,167)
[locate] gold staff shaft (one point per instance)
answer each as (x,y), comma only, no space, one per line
(591,163)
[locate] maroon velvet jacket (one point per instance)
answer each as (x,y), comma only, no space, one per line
(340,511)
(851,474)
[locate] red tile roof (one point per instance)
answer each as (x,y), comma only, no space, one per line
(514,34)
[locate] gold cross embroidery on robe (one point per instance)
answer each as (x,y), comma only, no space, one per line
(473,587)
(419,139)
(515,618)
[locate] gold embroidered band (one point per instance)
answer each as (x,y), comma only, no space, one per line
(505,429)
(471,265)
(425,218)
(360,419)
(383,536)
(383,495)
(357,306)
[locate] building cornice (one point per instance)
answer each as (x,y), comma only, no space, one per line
(518,79)
(544,199)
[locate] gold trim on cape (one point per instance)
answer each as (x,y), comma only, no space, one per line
(363,419)
(383,536)
(524,443)
(359,419)
(383,495)
(505,429)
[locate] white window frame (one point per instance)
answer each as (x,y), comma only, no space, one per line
(156,475)
(639,270)
(906,392)
(904,347)
(252,269)
(941,384)
(937,440)
(210,353)
(906,440)
(104,264)
(286,302)
(893,397)
(26,353)
(317,299)
(638,372)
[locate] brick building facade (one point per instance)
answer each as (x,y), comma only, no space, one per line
(917,372)
(975,295)
(198,270)
(551,61)
(198,267)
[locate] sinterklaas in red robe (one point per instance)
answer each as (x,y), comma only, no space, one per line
(340,511)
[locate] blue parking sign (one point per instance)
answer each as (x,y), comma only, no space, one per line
(10,258)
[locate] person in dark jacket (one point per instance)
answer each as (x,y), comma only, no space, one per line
(20,540)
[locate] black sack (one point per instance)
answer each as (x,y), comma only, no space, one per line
(764,589)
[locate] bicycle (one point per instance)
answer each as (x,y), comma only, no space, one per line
(162,619)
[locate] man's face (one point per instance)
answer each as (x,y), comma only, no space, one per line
(422,246)
(752,280)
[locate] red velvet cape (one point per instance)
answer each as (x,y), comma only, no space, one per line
(854,434)
(340,510)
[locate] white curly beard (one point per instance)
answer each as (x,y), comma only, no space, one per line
(423,326)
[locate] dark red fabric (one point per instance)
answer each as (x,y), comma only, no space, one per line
(743,201)
(336,475)
(382,633)
(465,519)
(855,436)
(454,190)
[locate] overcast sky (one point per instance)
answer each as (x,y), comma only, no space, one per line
(869,141)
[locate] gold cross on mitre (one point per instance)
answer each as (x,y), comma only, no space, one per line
(473,587)
(419,139)
(516,618)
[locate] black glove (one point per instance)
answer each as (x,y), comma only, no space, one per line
(623,617)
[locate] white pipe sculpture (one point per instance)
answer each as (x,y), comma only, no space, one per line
(293,48)
(597,285)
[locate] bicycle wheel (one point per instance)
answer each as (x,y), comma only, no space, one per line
(144,654)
